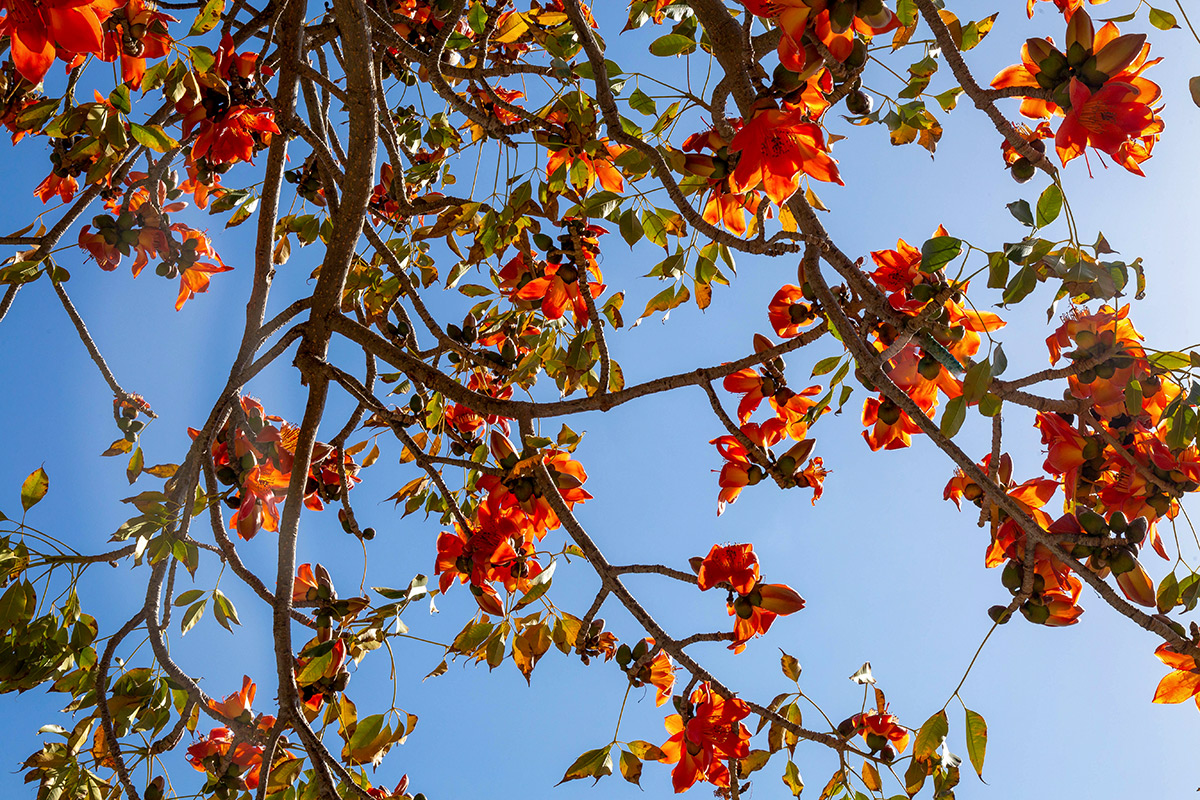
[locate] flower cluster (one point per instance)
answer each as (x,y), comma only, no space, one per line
(255,455)
(754,604)
(1097,85)
(499,545)
(707,731)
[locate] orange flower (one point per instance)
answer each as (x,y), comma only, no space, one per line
(836,26)
(134,34)
(738,470)
(1106,120)
(55,185)
(756,611)
(597,159)
(724,206)
(776,148)
(194,278)
(518,496)
(659,672)
(1181,684)
(237,704)
(792,16)
(559,289)
(201,756)
(1067,7)
(38,31)
(228,131)
(899,271)
(709,732)
(233,135)
(890,428)
(734,564)
(880,729)
(789,312)
(812,477)
(1067,451)
(1092,57)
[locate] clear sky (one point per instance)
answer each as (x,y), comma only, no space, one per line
(891,573)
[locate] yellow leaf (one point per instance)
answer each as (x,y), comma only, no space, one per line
(813,200)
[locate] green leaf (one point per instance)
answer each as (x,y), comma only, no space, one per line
(976,382)
(654,228)
(998,266)
(673,44)
(188,597)
(1133,397)
(930,737)
(643,103)
(938,252)
(953,416)
(224,611)
(999,361)
(1049,205)
(1024,282)
(540,584)
(1163,20)
(477,18)
(202,58)
(1168,593)
(974,32)
(1021,210)
(119,97)
(914,777)
(976,740)
(631,227)
(792,779)
(989,405)
(472,636)
(1194,89)
(1189,591)
(192,616)
(134,468)
(152,136)
(826,365)
(208,17)
(592,764)
(949,98)
(790,665)
(34,488)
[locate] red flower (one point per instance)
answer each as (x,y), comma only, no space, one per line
(789,312)
(237,704)
(38,31)
(880,729)
(1107,120)
(134,34)
(710,732)
(776,148)
(757,610)
(1183,683)
(195,276)
(734,564)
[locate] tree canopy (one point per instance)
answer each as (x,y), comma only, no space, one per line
(396,423)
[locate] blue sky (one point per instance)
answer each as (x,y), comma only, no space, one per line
(891,574)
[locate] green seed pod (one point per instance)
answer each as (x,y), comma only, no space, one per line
(1092,522)
(1035,613)
(1023,170)
(1010,578)
(859,103)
